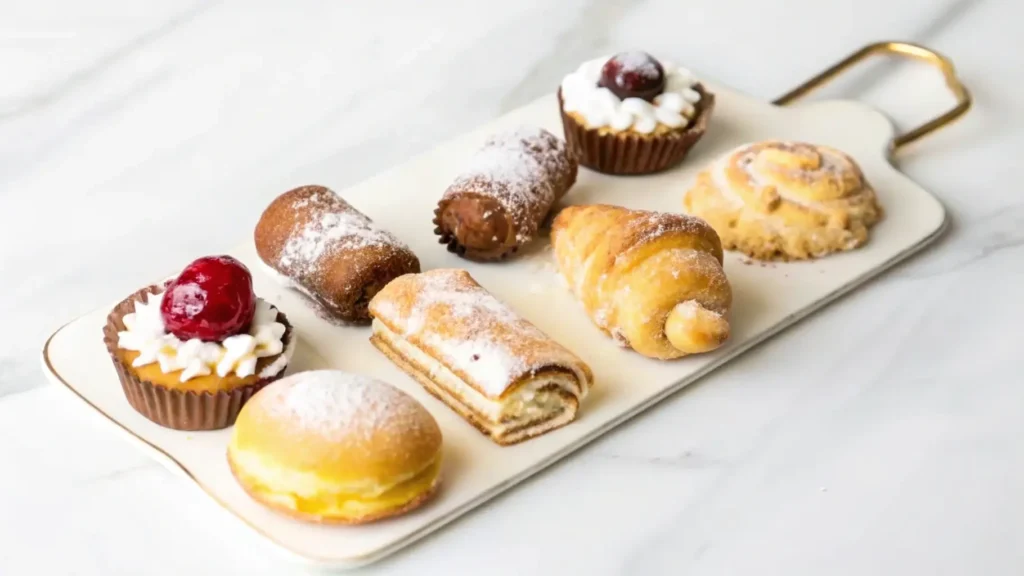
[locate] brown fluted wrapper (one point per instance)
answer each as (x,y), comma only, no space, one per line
(625,153)
(178,409)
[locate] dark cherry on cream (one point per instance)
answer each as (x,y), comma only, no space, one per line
(211,299)
(633,75)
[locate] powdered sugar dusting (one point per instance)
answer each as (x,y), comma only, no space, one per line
(489,362)
(474,332)
(339,405)
(639,63)
(332,225)
(526,170)
(648,226)
(463,302)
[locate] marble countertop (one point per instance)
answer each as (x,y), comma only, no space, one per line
(879,436)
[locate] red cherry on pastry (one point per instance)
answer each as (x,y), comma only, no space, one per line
(211,299)
(633,75)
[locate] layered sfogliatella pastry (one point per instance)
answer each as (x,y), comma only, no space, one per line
(497,204)
(631,114)
(777,200)
(496,369)
(313,240)
(652,281)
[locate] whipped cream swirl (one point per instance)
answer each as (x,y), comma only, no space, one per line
(675,107)
(146,334)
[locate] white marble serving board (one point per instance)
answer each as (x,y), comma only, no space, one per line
(768,297)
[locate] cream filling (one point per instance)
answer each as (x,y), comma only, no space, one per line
(284,486)
(279,363)
(144,332)
(526,403)
(307,484)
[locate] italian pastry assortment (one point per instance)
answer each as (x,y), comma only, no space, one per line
(202,352)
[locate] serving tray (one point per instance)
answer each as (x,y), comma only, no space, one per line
(768,298)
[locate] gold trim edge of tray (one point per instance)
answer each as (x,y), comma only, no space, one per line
(905,50)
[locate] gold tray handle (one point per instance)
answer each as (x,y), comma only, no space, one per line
(904,49)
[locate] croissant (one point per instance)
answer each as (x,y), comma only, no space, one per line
(652,281)
(777,200)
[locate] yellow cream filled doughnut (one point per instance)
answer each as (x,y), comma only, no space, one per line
(327,446)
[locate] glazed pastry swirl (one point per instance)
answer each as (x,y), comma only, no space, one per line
(653,281)
(785,200)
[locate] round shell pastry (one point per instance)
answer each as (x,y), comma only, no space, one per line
(328,446)
(785,201)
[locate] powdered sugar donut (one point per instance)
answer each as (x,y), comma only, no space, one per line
(328,446)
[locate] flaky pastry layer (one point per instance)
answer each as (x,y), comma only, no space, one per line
(538,404)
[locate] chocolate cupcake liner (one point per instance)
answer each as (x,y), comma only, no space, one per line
(179,409)
(625,153)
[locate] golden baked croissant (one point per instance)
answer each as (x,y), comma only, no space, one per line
(653,281)
(785,200)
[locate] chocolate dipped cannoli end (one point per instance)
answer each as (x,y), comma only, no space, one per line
(499,202)
(475,227)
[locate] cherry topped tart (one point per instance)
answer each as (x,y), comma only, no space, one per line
(633,75)
(632,113)
(191,351)
(211,300)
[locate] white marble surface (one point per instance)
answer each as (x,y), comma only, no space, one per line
(880,436)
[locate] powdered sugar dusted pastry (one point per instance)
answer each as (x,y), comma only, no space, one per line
(499,201)
(317,242)
(497,370)
(785,200)
(327,446)
(652,281)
